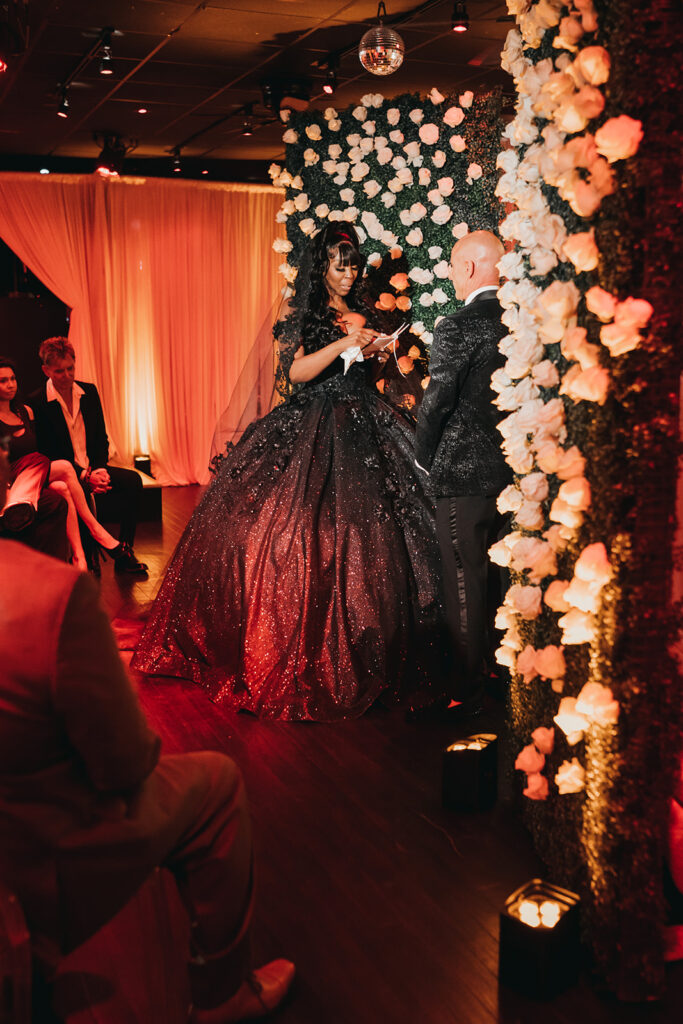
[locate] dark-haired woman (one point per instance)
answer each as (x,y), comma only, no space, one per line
(30,472)
(306,585)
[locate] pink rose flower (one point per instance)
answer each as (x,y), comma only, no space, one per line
(554,596)
(601,177)
(582,250)
(545,374)
(619,138)
(584,199)
(453,117)
(445,186)
(620,338)
(559,300)
(594,64)
(466,99)
(593,565)
(571,464)
(572,724)
(589,385)
(460,230)
(530,516)
(534,486)
(556,538)
(458,144)
(529,760)
(439,158)
(636,312)
(544,740)
(576,492)
(602,303)
(562,512)
(571,30)
(474,172)
(429,134)
(424,176)
(550,663)
(536,787)
(584,596)
(526,601)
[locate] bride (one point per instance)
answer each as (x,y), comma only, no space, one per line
(306,582)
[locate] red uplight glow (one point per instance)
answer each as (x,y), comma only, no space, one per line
(3,65)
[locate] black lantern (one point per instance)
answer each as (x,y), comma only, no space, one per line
(539,939)
(470,773)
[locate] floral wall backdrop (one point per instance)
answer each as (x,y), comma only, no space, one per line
(590,389)
(412,174)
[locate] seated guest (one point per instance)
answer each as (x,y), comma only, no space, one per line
(31,472)
(46,531)
(70,425)
(88,809)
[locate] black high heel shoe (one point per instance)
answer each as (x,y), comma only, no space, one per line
(124,558)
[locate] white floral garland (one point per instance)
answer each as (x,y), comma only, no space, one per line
(377,159)
(565,93)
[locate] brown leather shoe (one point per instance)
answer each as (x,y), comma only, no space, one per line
(260,994)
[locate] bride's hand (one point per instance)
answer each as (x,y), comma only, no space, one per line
(358,336)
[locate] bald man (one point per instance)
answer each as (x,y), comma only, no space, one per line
(458,446)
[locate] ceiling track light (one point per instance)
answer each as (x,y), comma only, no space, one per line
(105,66)
(63,108)
(177,167)
(330,83)
(248,122)
(381,49)
(114,149)
(460,21)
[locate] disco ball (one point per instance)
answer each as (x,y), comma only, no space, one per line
(381,50)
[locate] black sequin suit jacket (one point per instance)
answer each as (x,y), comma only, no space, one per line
(457,441)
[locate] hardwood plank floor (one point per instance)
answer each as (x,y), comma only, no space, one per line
(387,903)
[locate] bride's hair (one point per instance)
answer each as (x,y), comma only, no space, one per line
(319,325)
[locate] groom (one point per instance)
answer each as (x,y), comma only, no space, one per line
(458,446)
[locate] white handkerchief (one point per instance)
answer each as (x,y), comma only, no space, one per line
(352,355)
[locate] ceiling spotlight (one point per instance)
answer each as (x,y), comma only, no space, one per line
(460,21)
(381,50)
(330,83)
(110,161)
(248,123)
(142,110)
(63,108)
(176,161)
(44,170)
(105,65)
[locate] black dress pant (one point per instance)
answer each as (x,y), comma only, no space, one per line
(466,527)
(121,504)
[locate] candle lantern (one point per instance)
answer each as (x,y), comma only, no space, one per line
(539,939)
(143,463)
(470,773)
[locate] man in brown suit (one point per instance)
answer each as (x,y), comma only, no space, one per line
(88,809)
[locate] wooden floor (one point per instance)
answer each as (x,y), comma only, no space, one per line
(387,903)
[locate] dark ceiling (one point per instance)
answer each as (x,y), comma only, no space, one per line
(194,66)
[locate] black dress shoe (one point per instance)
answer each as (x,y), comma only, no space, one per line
(124,558)
(18,517)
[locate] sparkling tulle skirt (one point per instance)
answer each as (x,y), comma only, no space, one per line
(306,583)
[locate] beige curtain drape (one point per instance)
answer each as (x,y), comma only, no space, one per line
(169,283)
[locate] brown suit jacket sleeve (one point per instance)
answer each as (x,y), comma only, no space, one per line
(95,698)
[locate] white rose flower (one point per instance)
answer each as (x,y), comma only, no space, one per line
(330,167)
(353,140)
(310,157)
(418,211)
(307,225)
(282,245)
(436,97)
(360,113)
(405,175)
(570,777)
(434,252)
(350,213)
(330,113)
(507,160)
(406,218)
(389,238)
(336,215)
(347,195)
(359,171)
(297,182)
(374,259)
(441,270)
(290,137)
(414,237)
(340,179)
(274,171)
(426,299)
(334,125)
(288,207)
(393,115)
(389,199)
(371,188)
(442,214)
(439,296)
(334,150)
(412,149)
(367,99)
(289,273)
(420,275)
(366,146)
(384,155)
(370,127)
(322,210)
(313,131)
(280,217)
(445,186)
(395,185)
(398,162)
